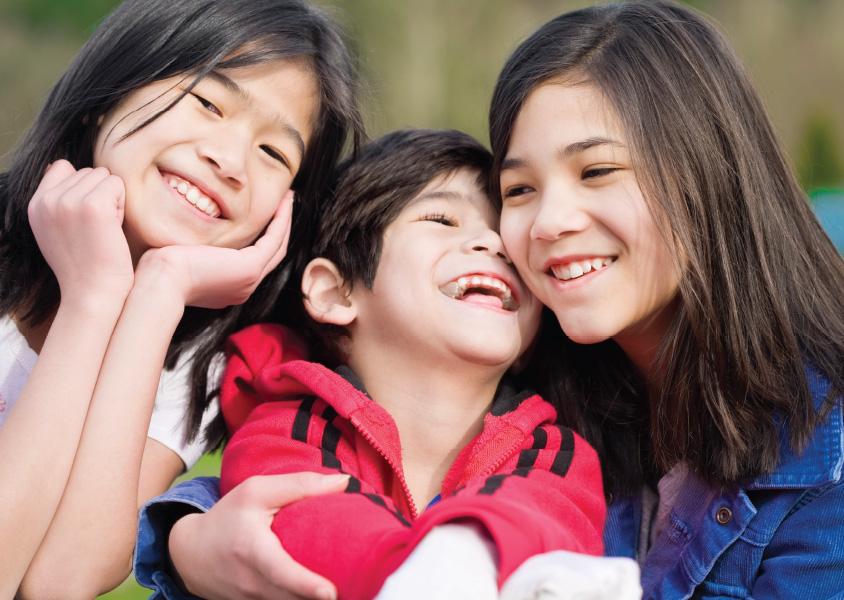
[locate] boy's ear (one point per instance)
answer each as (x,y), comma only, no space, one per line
(326,295)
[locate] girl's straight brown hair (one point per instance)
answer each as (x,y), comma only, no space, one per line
(761,298)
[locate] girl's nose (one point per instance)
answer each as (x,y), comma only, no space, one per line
(558,215)
(227,157)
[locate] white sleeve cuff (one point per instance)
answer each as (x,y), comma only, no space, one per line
(565,575)
(454,561)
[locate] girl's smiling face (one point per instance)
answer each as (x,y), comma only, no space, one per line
(577,226)
(213,168)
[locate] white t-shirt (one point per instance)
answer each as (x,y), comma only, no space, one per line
(17,360)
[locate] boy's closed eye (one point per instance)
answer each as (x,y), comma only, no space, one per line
(440,218)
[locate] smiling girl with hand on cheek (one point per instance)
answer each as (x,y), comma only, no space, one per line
(158,177)
(647,203)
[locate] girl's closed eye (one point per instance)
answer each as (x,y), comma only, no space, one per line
(207,104)
(596,172)
(276,155)
(440,218)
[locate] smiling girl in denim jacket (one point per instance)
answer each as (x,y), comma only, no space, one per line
(647,202)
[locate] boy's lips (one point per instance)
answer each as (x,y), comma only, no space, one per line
(483,288)
(196,193)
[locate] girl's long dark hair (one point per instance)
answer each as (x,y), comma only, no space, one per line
(762,294)
(143,41)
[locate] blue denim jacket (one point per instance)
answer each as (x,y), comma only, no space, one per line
(782,536)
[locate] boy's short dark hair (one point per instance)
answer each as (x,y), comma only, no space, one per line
(370,191)
(373,188)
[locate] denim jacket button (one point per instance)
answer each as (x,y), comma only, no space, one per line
(724,515)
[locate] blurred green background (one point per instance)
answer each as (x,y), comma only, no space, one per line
(433,63)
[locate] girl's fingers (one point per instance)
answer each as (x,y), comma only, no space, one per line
(55,174)
(68,184)
(271,247)
(285,574)
(282,249)
(279,225)
(84,185)
(272,492)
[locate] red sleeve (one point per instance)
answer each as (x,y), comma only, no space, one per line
(549,496)
(334,534)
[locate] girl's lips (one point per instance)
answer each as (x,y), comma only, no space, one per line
(577,281)
(194,210)
(196,190)
(579,268)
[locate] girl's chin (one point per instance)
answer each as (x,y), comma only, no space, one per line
(584,335)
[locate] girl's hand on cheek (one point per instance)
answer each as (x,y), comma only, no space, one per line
(231,551)
(212,277)
(76,217)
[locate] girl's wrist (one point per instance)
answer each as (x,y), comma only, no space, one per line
(157,277)
(99,303)
(179,533)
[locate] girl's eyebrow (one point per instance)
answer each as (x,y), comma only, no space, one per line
(247,98)
(566,152)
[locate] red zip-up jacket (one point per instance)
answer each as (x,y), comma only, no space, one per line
(533,485)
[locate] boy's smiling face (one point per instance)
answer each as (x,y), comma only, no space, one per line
(444,288)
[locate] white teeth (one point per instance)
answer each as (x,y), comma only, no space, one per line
(457,289)
(193,195)
(573,270)
(561,272)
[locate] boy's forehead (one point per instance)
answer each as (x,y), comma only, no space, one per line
(460,186)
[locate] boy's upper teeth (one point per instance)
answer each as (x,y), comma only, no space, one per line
(193,195)
(579,268)
(458,288)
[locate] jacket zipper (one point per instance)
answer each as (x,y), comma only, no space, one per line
(396,468)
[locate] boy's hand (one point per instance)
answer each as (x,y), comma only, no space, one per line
(212,277)
(76,218)
(231,551)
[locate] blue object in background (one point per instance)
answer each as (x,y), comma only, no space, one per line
(829,208)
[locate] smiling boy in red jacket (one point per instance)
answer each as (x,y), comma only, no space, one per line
(415,315)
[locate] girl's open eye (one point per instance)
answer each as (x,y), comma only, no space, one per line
(207,105)
(275,155)
(513,193)
(440,218)
(516,190)
(594,172)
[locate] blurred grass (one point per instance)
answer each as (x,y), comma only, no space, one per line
(209,464)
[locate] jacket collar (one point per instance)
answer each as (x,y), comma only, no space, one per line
(822,460)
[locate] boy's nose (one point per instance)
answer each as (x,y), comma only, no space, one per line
(489,242)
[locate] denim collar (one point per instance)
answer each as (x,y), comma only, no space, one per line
(822,460)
